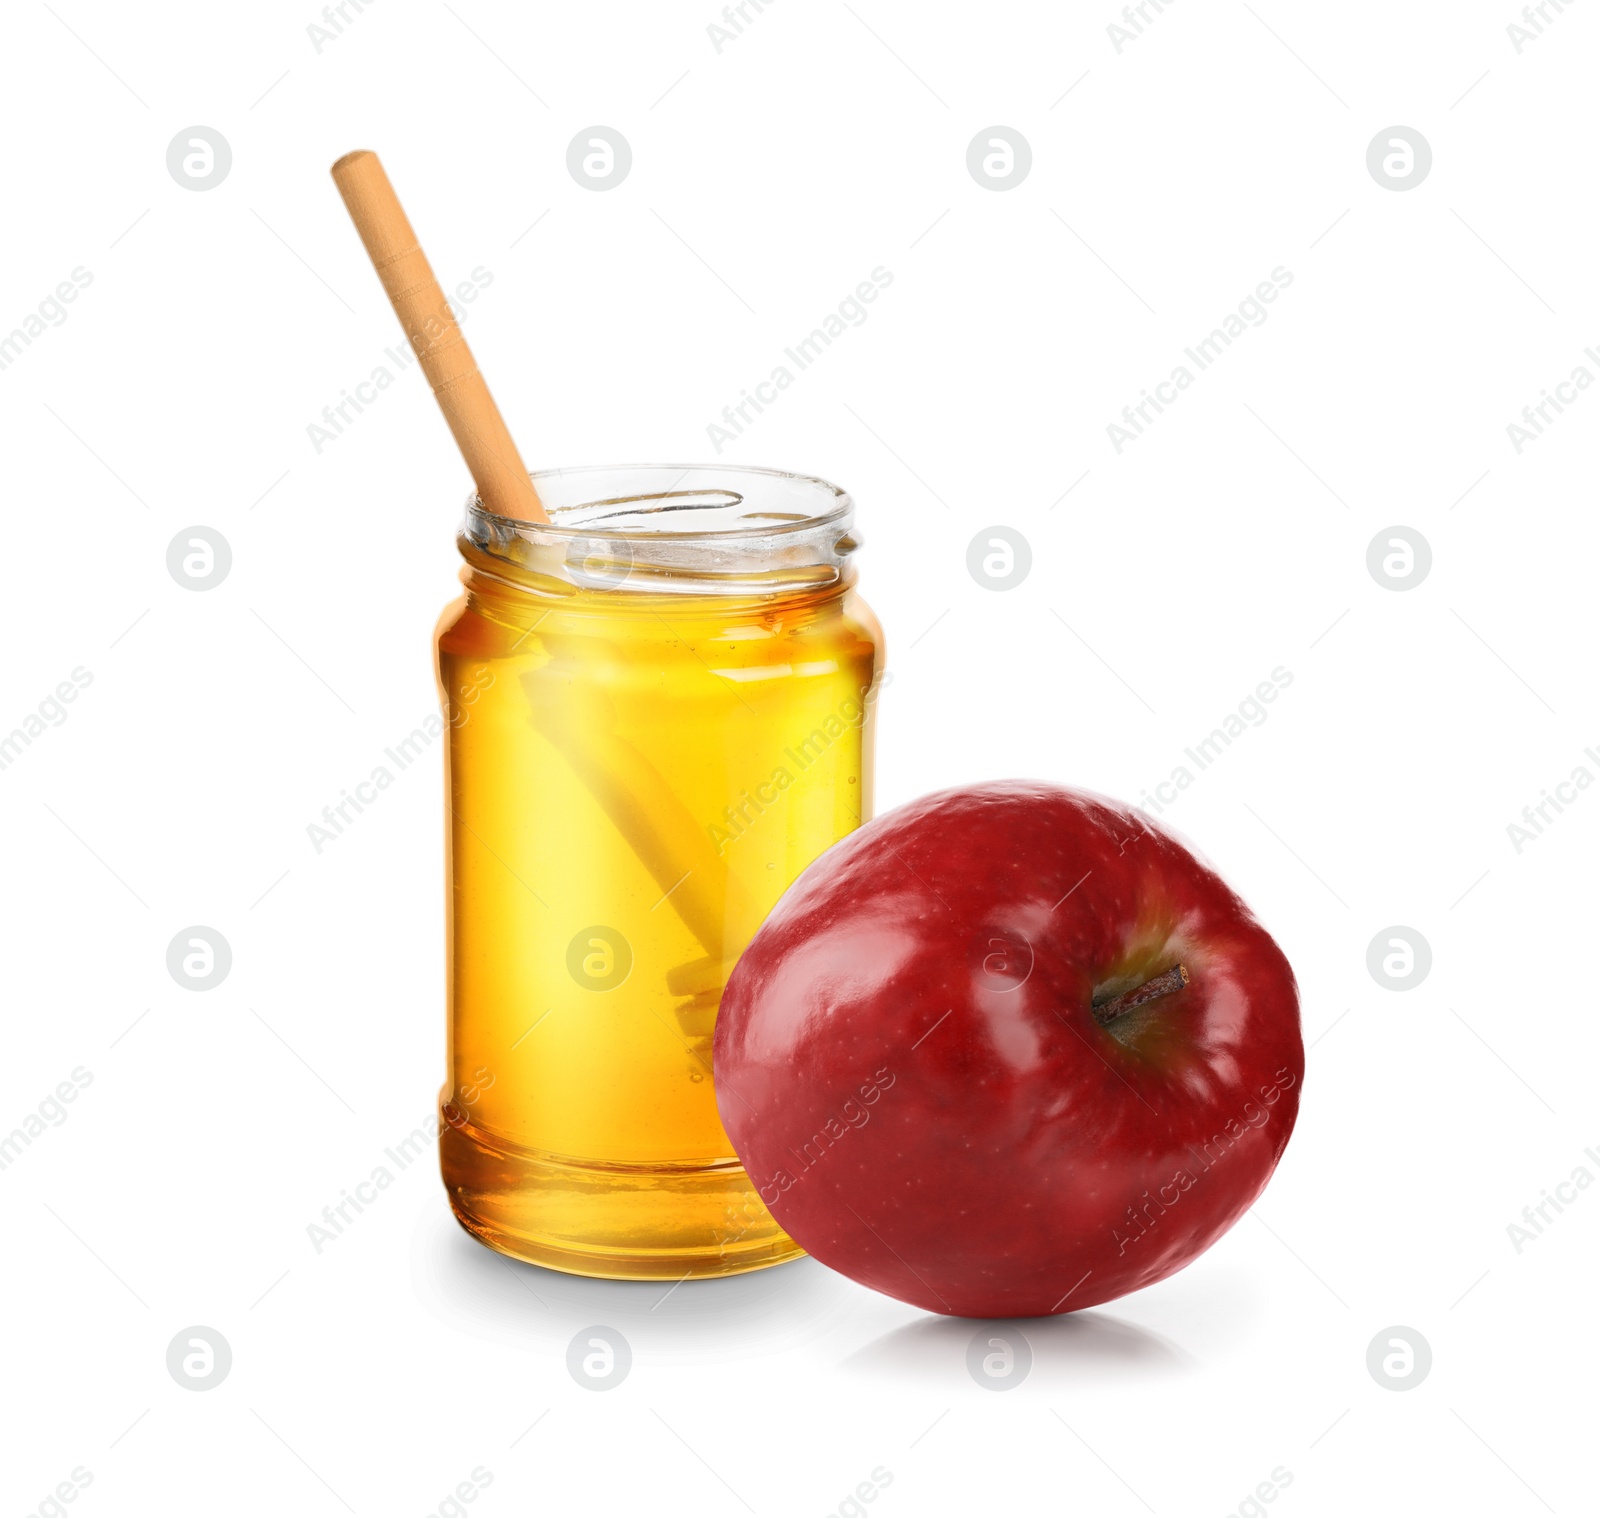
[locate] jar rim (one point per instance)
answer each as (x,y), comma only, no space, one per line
(841,506)
(674,529)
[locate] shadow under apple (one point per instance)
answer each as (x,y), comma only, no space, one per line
(1081,1346)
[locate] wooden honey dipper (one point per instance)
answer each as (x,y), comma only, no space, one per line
(458,385)
(666,837)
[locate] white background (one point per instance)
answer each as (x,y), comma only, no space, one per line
(769,179)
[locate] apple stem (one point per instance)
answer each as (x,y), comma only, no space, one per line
(1164,984)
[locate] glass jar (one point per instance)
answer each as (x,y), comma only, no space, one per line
(660,711)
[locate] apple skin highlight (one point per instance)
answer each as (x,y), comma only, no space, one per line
(910,1065)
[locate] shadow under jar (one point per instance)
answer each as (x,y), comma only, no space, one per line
(660,711)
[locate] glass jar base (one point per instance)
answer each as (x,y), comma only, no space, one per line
(618,1222)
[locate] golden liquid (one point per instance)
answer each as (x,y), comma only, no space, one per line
(634,778)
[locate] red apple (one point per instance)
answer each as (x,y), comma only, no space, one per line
(1008,1051)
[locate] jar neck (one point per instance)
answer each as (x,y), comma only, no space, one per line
(512,594)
